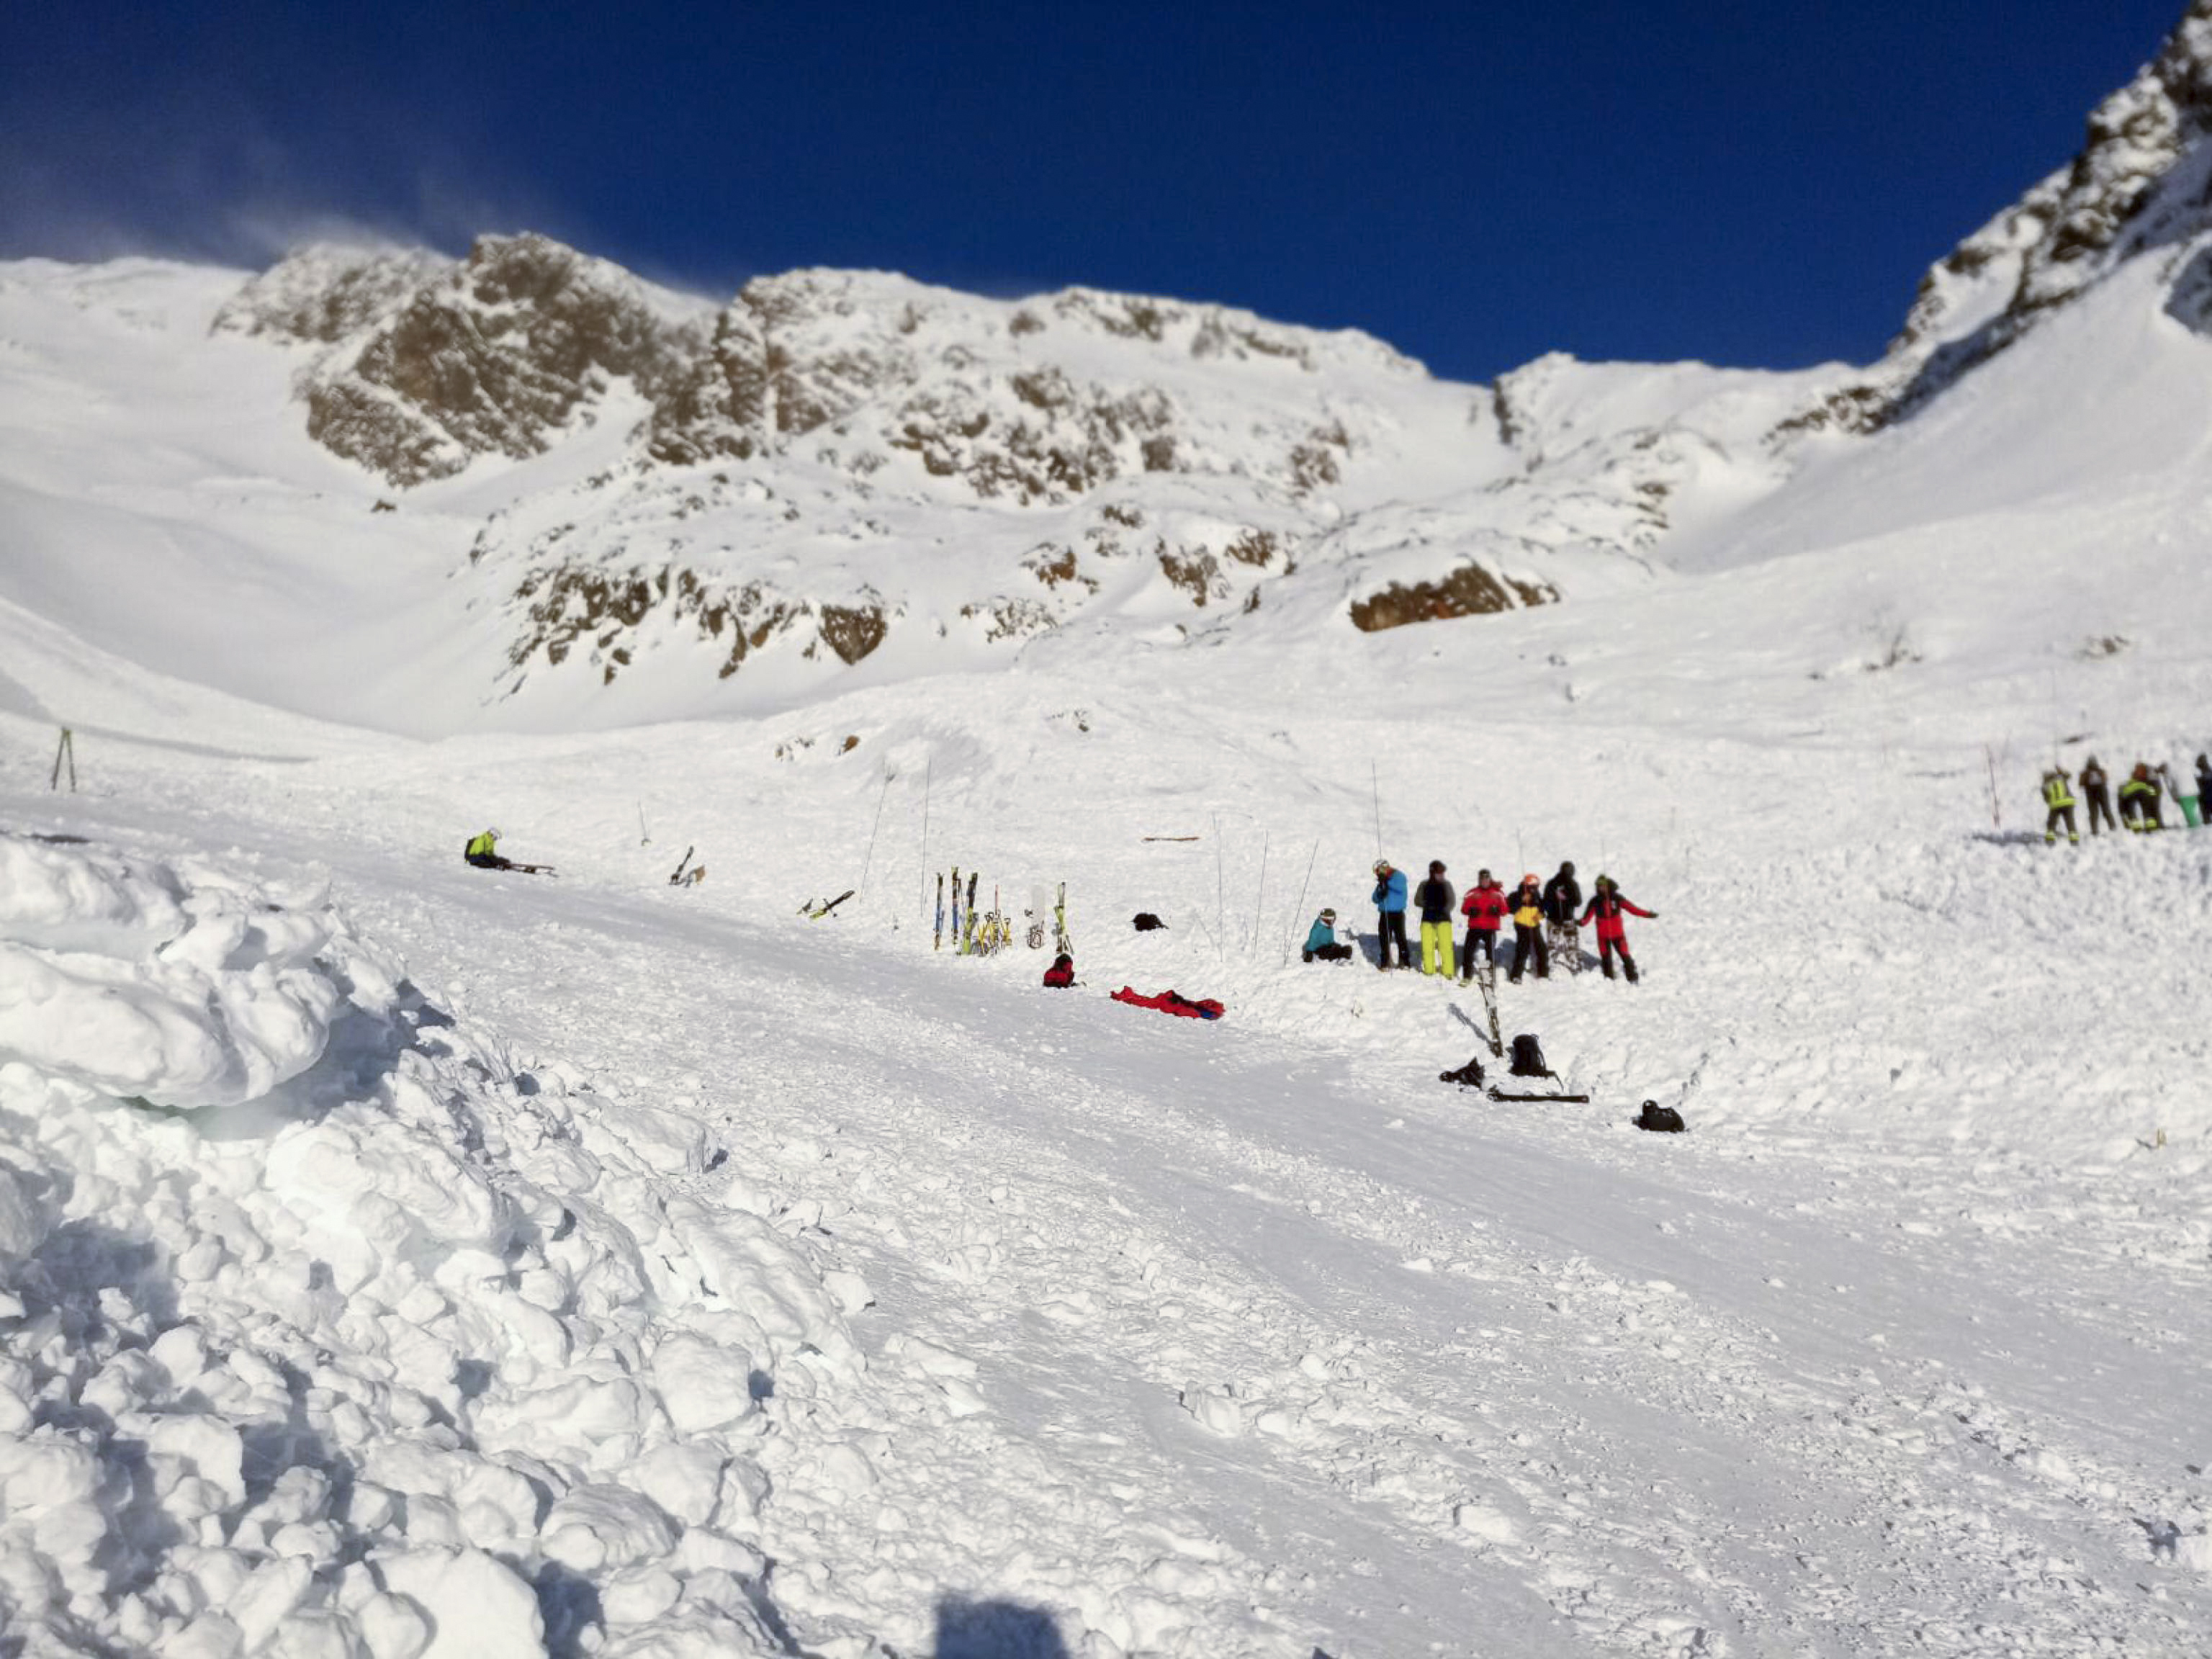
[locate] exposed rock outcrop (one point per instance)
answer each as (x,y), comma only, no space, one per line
(2139,182)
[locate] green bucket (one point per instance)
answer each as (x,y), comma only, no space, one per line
(2191,809)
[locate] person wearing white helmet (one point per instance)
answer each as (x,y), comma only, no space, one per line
(1390,914)
(482,852)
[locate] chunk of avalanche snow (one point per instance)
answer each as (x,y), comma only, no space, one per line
(478,1608)
(129,982)
(479,1314)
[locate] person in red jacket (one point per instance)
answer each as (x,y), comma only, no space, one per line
(1485,910)
(1607,905)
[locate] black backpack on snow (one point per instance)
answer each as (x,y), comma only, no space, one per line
(1146,921)
(1664,1119)
(1468,1076)
(1528,1057)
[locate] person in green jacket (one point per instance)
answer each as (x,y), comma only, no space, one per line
(2060,800)
(482,851)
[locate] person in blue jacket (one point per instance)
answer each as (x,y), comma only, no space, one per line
(1320,941)
(1390,914)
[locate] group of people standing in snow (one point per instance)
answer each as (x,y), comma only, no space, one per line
(1543,918)
(2142,793)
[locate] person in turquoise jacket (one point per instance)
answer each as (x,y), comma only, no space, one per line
(1320,941)
(1390,914)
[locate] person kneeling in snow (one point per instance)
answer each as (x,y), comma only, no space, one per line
(1062,974)
(1321,940)
(482,852)
(1606,904)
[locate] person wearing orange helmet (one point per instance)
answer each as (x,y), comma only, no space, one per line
(1528,902)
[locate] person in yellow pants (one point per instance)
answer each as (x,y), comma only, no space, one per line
(1434,898)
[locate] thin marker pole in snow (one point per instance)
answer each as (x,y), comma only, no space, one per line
(870,861)
(1300,910)
(1375,780)
(926,767)
(1220,891)
(644,836)
(1260,898)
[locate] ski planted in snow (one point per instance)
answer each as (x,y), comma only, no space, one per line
(973,877)
(937,942)
(1060,943)
(1486,975)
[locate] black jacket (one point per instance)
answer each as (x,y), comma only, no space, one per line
(1563,897)
(1435,899)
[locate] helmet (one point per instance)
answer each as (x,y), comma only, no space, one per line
(1529,880)
(1605,881)
(1382,866)
(1328,915)
(493,833)
(1436,866)
(1567,868)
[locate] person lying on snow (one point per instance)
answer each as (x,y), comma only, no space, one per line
(1172,1002)
(482,852)
(1607,905)
(1321,940)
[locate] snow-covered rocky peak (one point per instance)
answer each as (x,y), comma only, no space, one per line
(2137,187)
(431,363)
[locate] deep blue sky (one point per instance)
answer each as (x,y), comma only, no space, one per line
(1758,184)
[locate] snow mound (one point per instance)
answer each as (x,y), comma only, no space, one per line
(403,1352)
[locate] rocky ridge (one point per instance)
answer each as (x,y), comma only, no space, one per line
(2142,181)
(799,467)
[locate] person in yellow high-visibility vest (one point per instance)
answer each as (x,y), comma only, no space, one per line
(2060,800)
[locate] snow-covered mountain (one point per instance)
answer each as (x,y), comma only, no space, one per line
(581,499)
(618,501)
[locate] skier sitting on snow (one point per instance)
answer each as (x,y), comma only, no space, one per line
(1607,905)
(2060,800)
(1321,940)
(482,852)
(1485,910)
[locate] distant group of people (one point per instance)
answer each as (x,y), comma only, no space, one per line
(1544,916)
(2141,794)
